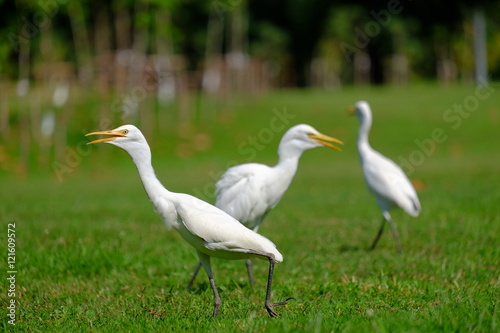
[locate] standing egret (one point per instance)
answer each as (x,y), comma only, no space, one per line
(212,232)
(383,177)
(249,191)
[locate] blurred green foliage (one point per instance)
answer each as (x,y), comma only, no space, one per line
(425,31)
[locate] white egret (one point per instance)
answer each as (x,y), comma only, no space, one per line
(212,232)
(383,177)
(249,191)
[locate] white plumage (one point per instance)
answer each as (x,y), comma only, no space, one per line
(249,191)
(384,178)
(212,232)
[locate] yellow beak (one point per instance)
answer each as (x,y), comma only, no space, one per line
(113,134)
(351,110)
(326,140)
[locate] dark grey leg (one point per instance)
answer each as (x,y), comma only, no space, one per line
(205,261)
(395,235)
(195,273)
(375,241)
(268,304)
(217,300)
(249,270)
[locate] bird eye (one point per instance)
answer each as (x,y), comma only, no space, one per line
(125,132)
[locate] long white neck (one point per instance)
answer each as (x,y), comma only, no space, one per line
(142,160)
(163,200)
(364,131)
(288,163)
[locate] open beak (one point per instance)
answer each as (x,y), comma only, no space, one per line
(326,140)
(351,110)
(113,135)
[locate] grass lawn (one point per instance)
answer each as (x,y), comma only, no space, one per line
(92,255)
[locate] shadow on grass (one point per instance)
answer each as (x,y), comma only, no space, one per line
(201,287)
(352,248)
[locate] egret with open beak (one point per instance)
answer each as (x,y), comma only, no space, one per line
(212,232)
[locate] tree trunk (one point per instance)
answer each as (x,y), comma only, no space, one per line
(480,57)
(82,42)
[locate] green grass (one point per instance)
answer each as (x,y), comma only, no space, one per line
(93,256)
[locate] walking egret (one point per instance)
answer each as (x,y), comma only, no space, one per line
(212,232)
(383,177)
(249,191)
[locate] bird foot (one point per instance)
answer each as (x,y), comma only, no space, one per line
(270,310)
(216,310)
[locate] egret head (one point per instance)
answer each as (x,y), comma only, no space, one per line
(127,137)
(302,137)
(362,110)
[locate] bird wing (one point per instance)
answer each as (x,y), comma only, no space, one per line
(221,234)
(388,182)
(242,194)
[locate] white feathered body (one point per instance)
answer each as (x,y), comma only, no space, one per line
(249,191)
(204,226)
(214,232)
(384,178)
(388,183)
(209,229)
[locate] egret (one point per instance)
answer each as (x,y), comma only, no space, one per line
(249,191)
(384,178)
(211,231)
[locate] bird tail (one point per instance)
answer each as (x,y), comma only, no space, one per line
(415,208)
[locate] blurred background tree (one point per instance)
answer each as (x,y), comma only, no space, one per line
(150,61)
(296,40)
